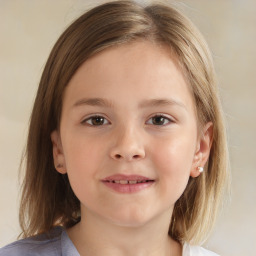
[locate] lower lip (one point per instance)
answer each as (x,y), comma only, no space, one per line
(128,188)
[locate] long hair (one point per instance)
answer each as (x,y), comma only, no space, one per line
(47,198)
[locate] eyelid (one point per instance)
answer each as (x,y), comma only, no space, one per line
(167,117)
(84,120)
(170,119)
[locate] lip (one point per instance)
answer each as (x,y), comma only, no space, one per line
(128,183)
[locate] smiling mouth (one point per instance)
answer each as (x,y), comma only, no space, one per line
(128,183)
(125,182)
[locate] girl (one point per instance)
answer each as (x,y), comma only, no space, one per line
(126,151)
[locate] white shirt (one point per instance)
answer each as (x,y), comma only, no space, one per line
(189,250)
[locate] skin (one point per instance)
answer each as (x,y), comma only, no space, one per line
(135,82)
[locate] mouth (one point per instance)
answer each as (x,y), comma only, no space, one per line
(128,183)
(124,182)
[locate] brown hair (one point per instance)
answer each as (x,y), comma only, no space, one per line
(47,198)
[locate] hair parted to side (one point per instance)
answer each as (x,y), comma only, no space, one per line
(47,198)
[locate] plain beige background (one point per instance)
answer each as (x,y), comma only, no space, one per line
(28,30)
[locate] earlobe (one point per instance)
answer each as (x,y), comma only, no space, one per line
(58,156)
(203,150)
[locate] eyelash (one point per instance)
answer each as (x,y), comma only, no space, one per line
(91,118)
(169,120)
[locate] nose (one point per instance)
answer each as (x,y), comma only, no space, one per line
(128,146)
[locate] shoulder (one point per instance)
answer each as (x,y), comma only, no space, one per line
(189,250)
(45,244)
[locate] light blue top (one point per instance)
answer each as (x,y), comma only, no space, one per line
(57,243)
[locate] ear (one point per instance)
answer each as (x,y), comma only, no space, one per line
(203,149)
(58,156)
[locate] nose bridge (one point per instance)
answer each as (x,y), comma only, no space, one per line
(128,143)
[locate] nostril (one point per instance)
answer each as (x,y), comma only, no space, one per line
(134,157)
(118,156)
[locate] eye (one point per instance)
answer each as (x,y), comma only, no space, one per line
(95,121)
(159,120)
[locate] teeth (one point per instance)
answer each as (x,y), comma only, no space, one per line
(125,182)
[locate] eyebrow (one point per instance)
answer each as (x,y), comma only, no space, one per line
(161,102)
(94,102)
(100,102)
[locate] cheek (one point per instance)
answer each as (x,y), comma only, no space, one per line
(173,161)
(83,160)
(175,154)
(82,153)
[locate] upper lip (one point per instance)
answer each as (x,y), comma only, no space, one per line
(127,177)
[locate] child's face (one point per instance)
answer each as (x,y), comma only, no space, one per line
(145,129)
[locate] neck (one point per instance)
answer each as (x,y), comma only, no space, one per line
(94,236)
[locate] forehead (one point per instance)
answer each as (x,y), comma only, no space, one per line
(140,68)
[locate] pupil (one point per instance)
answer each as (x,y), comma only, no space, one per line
(158,120)
(98,120)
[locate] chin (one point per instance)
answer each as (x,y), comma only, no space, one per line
(132,219)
